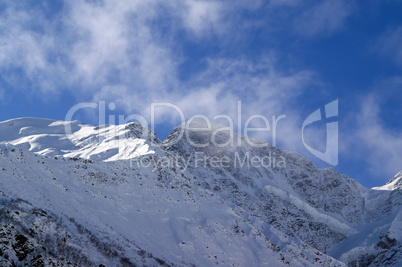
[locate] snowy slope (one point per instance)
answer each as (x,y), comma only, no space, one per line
(394,184)
(164,216)
(74,139)
(155,202)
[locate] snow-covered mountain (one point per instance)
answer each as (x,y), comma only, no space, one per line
(74,139)
(117,196)
(394,184)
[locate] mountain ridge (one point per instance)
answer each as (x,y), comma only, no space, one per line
(190,214)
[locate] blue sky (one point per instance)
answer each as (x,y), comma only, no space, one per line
(277,57)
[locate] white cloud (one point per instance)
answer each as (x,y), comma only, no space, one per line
(20,47)
(390,45)
(201,16)
(93,43)
(373,141)
(325,17)
(104,44)
(116,40)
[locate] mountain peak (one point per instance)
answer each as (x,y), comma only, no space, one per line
(137,130)
(394,184)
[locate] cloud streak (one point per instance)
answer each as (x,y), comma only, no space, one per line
(389,44)
(93,44)
(378,145)
(323,18)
